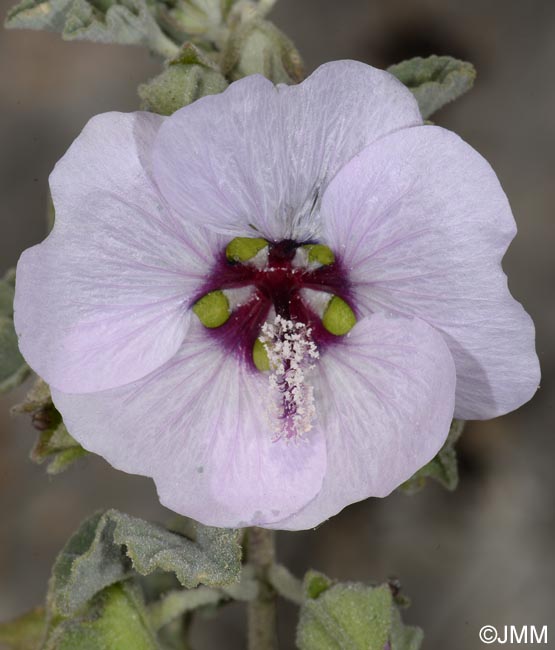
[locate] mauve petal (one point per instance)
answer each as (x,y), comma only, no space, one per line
(385,401)
(254,159)
(102,301)
(422,224)
(198,427)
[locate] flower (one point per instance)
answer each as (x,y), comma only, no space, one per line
(273,301)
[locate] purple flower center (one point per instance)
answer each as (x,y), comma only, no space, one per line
(281,279)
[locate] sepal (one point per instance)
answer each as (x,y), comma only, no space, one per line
(54,443)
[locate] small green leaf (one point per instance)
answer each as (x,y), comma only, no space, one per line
(258,46)
(442,468)
(108,545)
(25,632)
(129,22)
(435,80)
(315,584)
(115,619)
(179,85)
(346,617)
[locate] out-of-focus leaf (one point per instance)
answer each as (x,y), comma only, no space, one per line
(25,632)
(54,443)
(442,468)
(435,80)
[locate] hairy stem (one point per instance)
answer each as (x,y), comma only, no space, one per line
(261,612)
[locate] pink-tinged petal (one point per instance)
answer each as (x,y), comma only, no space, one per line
(198,427)
(386,395)
(422,224)
(254,159)
(102,301)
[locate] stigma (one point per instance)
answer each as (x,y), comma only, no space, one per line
(291,354)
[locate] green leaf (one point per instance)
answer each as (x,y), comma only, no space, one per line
(212,557)
(25,632)
(258,46)
(129,22)
(13,369)
(435,80)
(115,619)
(89,562)
(351,616)
(346,617)
(189,76)
(442,468)
(109,544)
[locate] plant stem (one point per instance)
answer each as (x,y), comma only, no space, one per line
(261,612)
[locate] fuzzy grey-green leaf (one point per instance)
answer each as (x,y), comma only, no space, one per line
(108,545)
(129,22)
(346,617)
(89,562)
(435,80)
(178,85)
(212,558)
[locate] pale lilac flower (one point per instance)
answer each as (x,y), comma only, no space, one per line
(145,208)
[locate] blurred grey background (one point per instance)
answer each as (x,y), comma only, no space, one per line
(483,555)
